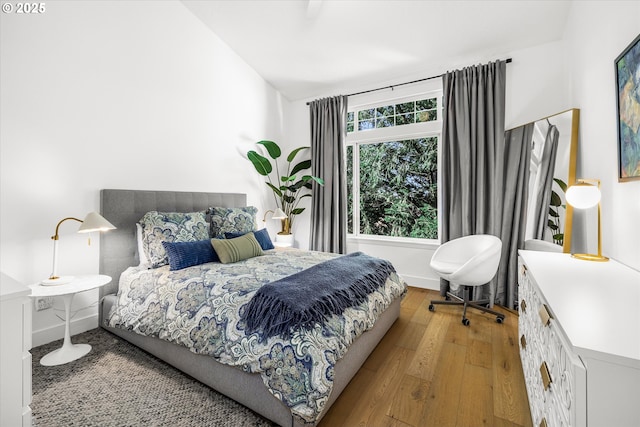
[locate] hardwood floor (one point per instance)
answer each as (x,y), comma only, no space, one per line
(430,370)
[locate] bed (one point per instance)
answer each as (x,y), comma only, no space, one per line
(119,254)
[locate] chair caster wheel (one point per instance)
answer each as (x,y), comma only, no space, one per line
(499,319)
(465,322)
(432,307)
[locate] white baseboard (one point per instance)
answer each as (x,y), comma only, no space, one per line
(421,282)
(56,332)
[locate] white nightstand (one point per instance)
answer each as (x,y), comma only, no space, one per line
(68,352)
(279,245)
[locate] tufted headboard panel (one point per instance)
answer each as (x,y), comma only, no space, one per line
(123,208)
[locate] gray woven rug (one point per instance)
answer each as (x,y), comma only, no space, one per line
(117,384)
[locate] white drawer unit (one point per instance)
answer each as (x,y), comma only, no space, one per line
(15,359)
(579,340)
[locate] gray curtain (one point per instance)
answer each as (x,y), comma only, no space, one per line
(473,154)
(517,157)
(547,169)
(329,202)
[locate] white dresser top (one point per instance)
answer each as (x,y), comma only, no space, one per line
(597,304)
(11,288)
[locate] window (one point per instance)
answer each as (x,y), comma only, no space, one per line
(392,167)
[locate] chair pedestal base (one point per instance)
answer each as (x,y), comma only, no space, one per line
(467,302)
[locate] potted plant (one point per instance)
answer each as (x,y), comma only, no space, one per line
(288,188)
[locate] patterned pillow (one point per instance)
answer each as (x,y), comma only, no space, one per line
(234,250)
(231,220)
(158,227)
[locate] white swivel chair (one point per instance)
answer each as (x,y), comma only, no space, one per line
(468,262)
(541,245)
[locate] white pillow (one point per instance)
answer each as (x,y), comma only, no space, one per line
(144,262)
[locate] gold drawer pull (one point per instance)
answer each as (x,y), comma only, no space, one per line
(523,341)
(543,422)
(546,376)
(523,306)
(545,315)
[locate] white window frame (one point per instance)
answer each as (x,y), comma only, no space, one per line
(356,138)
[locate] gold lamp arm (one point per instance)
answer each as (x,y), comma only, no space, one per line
(56,236)
(264,218)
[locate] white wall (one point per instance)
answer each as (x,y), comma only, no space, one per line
(597,32)
(536,87)
(131,95)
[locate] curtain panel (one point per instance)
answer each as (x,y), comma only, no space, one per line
(514,212)
(473,154)
(543,196)
(328,161)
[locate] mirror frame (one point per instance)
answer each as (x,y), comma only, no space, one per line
(571,178)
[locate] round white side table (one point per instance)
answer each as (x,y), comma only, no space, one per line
(69,351)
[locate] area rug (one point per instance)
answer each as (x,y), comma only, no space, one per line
(118,384)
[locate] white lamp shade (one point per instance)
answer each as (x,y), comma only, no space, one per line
(279,214)
(583,196)
(95,222)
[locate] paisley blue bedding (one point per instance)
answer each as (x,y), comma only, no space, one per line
(198,307)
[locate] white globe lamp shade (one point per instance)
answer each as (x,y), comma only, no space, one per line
(583,196)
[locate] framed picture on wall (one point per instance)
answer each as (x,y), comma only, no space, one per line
(627,66)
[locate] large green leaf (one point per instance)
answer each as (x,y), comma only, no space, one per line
(261,163)
(275,189)
(555,199)
(272,148)
(293,154)
(561,183)
(303,165)
(319,181)
(297,211)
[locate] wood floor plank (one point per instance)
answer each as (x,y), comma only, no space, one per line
(422,315)
(476,398)
(409,400)
(479,353)
(457,334)
(423,365)
(378,397)
(441,406)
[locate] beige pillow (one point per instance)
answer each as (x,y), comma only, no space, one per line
(237,249)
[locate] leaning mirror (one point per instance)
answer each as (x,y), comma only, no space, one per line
(552,168)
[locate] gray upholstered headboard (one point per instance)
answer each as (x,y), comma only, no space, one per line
(123,208)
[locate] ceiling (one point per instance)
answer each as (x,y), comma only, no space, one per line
(309,48)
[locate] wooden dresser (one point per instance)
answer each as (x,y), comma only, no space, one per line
(579,329)
(15,359)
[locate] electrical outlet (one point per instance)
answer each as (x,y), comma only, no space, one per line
(43,303)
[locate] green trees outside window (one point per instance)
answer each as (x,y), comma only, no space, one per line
(397,188)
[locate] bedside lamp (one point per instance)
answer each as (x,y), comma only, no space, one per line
(92,222)
(277,214)
(584,194)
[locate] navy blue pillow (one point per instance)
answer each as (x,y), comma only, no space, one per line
(262,236)
(186,254)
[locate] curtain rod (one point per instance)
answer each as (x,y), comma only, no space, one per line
(508,60)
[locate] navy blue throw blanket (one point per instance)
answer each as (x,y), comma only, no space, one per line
(313,295)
